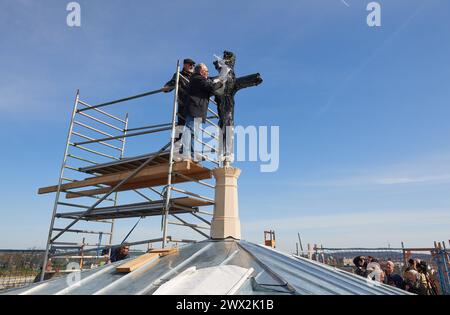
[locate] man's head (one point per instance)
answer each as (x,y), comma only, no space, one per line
(412,276)
(201,69)
(124,250)
(389,267)
(412,263)
(188,65)
(359,261)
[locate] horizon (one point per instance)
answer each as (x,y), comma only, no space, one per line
(362,111)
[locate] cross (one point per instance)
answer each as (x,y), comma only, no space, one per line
(225,103)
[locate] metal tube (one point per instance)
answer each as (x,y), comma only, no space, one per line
(209,134)
(195,180)
(213,112)
(150,127)
(206,213)
(89,196)
(136,171)
(129,244)
(93,151)
(191,226)
(100,111)
(73,168)
(142,195)
(58,191)
(212,124)
(206,145)
(125,136)
(156,192)
(81,159)
(192,194)
(174,240)
(172,145)
(201,219)
(72,205)
(81,231)
(208,159)
(101,121)
(123,100)
(92,139)
(116,195)
(93,129)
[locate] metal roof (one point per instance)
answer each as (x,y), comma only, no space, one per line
(250,269)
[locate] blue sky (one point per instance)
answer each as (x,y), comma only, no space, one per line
(363,112)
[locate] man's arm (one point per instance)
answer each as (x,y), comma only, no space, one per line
(170,85)
(209,85)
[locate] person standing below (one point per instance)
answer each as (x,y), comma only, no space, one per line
(199,90)
(413,283)
(391,278)
(360,263)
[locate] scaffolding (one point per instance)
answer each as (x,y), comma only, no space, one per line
(111,173)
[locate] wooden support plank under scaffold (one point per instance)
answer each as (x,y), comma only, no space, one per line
(140,184)
(153,175)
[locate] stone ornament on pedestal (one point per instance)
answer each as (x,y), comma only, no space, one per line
(226,221)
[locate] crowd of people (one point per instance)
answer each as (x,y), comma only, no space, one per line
(415,278)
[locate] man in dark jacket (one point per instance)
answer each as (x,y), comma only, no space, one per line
(391,278)
(185,76)
(120,253)
(199,90)
(361,265)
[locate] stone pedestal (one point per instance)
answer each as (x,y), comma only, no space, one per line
(226,221)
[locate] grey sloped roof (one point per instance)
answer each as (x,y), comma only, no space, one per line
(257,270)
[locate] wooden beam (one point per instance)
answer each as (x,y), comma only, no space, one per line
(143,259)
(110,179)
(136,263)
(150,172)
(140,184)
(163,251)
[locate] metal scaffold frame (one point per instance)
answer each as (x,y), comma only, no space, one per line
(110,193)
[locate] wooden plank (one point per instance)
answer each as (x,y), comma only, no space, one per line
(157,170)
(136,184)
(128,163)
(148,173)
(190,202)
(136,263)
(164,251)
(143,259)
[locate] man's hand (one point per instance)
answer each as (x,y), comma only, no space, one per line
(166,89)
